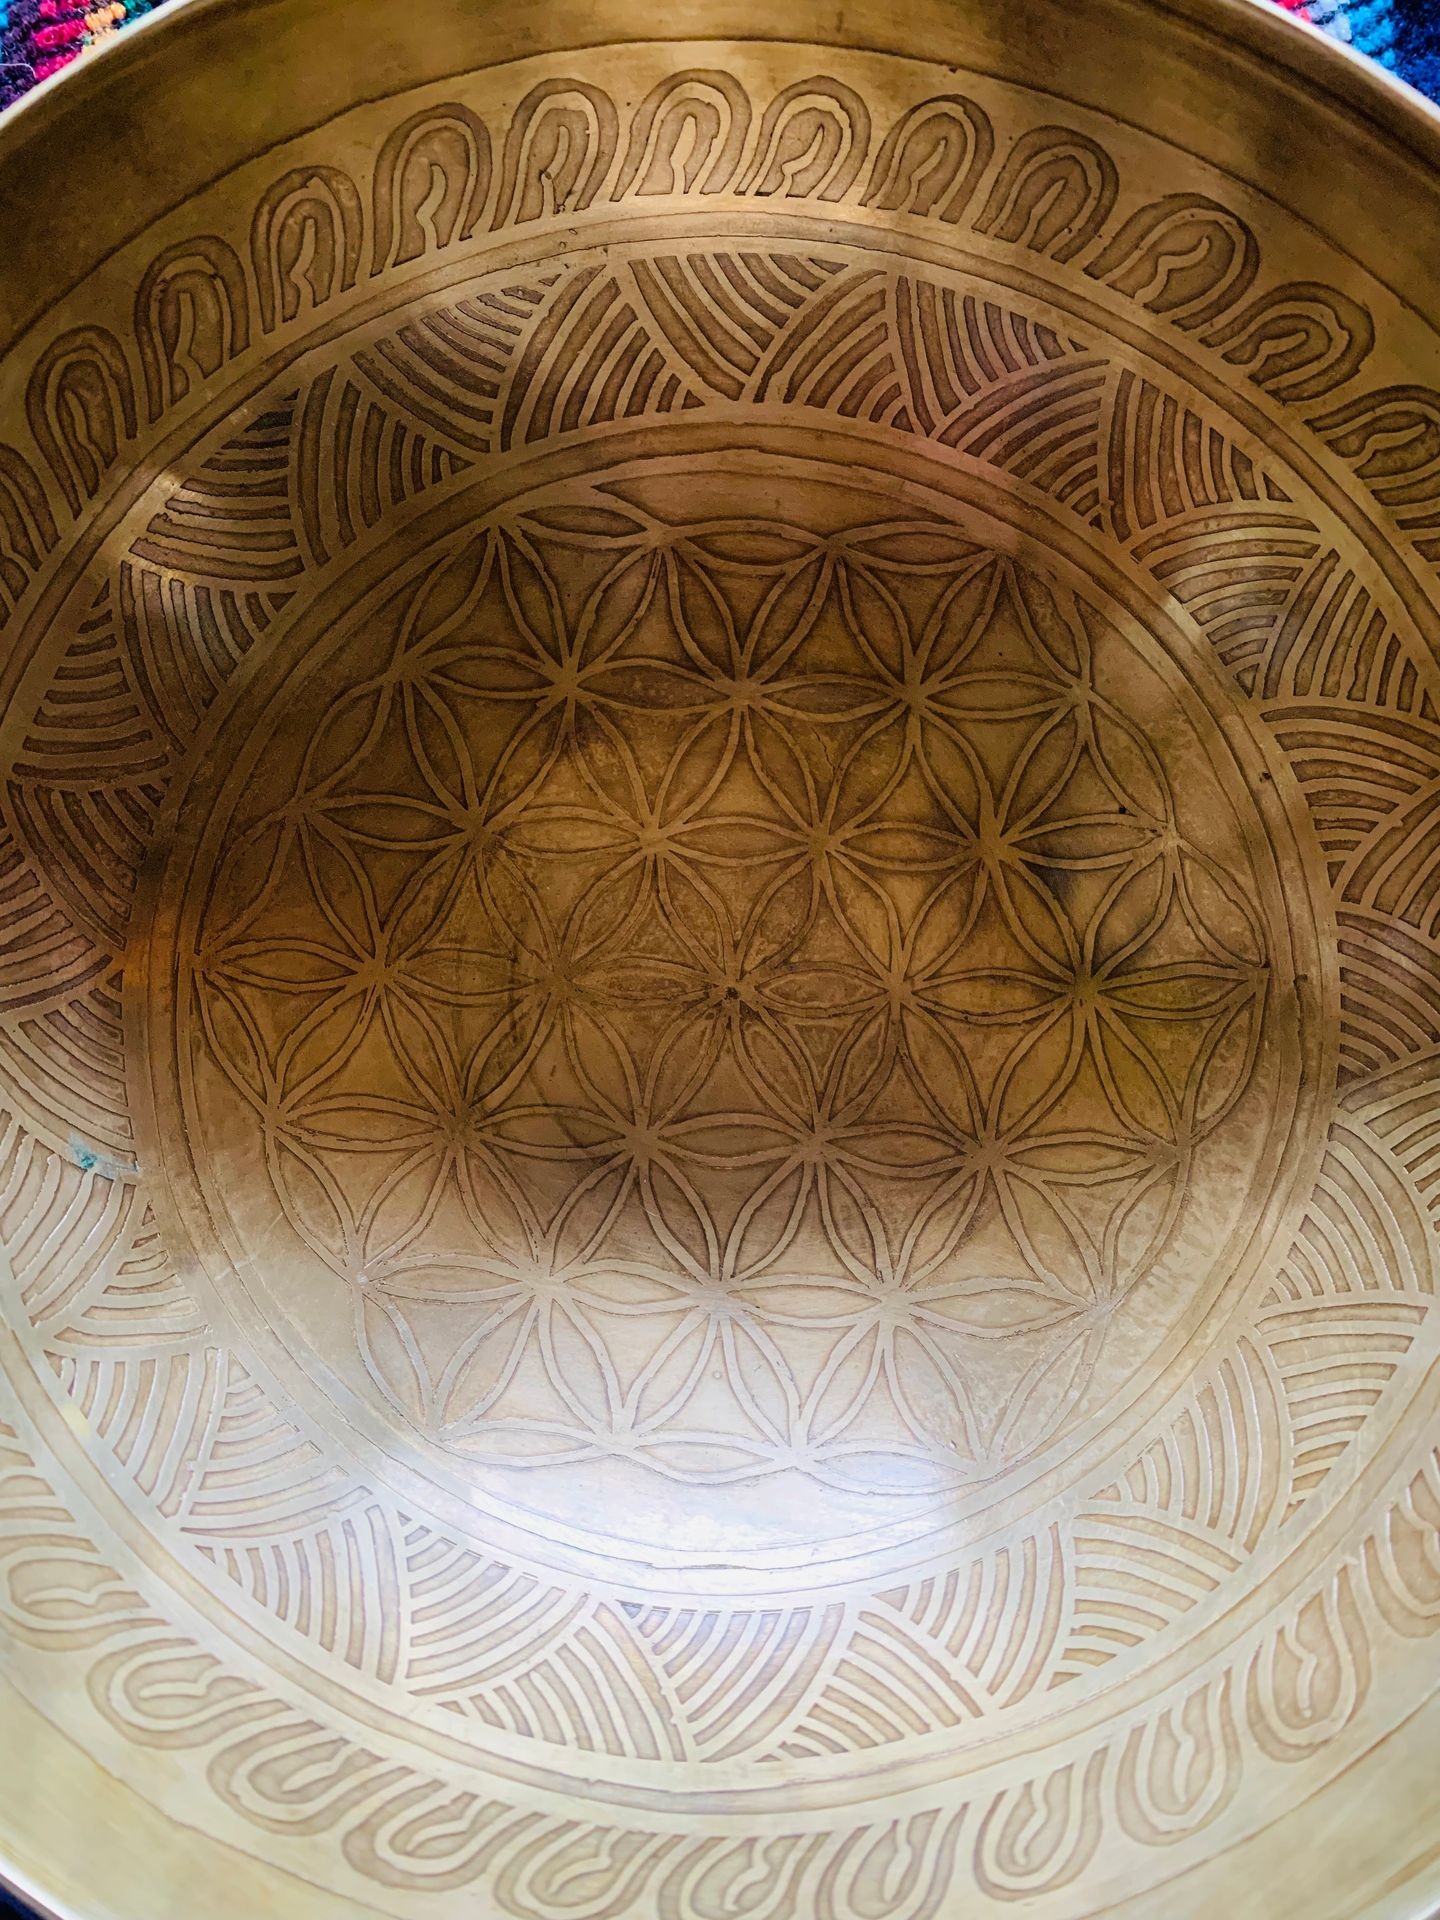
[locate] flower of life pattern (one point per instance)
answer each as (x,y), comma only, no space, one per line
(1198,1606)
(730,993)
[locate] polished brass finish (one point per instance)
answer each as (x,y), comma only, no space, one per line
(718,1025)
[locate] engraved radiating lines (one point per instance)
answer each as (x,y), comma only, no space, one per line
(1396,872)
(231,519)
(1355,1292)
(201,1438)
(321,465)
(718,313)
(336,1583)
(491,1642)
(43,955)
(343,452)
(1401,1109)
(184,637)
(150,1410)
(948,1650)
(1335,644)
(1181,1519)
(94,719)
(885,1684)
(740,1679)
(1135,1574)
(1164,460)
(60,1040)
(447,369)
(124,1296)
(1001,387)
(1219,533)
(356,459)
(734,320)
(95,762)
(254,1472)
(477,1627)
(839,356)
(658,335)
(90,772)
(582,1685)
(62,1224)
(67,1061)
(589,326)
(1365,1233)
(1356,768)
(666,332)
(1332,1330)
(1183,256)
(1233,569)
(181,1421)
(269,1761)
(1334,1372)
(1214,1467)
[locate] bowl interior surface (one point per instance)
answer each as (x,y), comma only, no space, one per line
(718,1004)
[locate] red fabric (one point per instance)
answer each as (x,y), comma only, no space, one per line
(64,33)
(44,68)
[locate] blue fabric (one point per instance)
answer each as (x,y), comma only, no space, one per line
(1417,44)
(1372,30)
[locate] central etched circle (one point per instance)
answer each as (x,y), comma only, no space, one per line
(732,998)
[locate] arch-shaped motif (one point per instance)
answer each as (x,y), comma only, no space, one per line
(705,113)
(1053,194)
(432,179)
(1392,439)
(814,139)
(192,314)
(81,407)
(1185,257)
(932,159)
(27,527)
(305,242)
(558,151)
(1298,342)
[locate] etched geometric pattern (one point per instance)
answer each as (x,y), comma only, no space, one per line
(719,1032)
(734,995)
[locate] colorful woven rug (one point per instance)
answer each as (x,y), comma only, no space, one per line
(39,37)
(1372,27)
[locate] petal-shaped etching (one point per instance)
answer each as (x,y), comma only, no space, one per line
(768,1018)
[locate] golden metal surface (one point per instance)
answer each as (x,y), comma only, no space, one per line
(721,979)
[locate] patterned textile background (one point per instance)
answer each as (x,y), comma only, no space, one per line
(39,37)
(1403,35)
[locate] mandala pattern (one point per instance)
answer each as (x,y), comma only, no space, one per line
(732,993)
(719,1043)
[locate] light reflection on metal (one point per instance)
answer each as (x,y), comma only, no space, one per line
(718,1014)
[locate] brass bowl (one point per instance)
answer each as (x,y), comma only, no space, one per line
(720,979)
